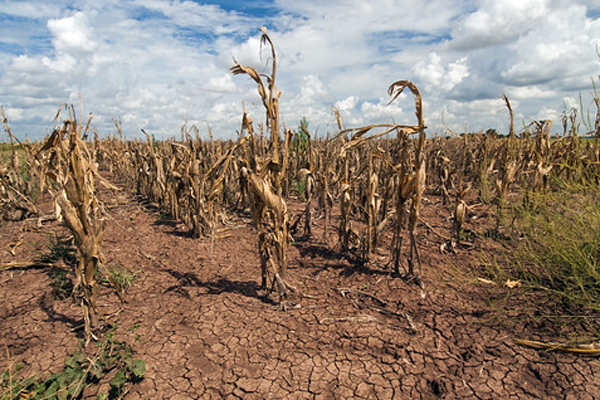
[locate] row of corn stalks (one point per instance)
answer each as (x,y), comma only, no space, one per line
(362,181)
(505,171)
(376,174)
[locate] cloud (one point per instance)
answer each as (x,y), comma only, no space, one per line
(498,22)
(72,35)
(221,84)
(30,9)
(436,76)
(155,63)
(207,17)
(383,112)
(14,114)
(566,56)
(347,105)
(312,91)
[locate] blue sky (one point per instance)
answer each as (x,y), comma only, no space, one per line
(157,63)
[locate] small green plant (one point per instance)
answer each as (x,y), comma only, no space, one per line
(61,279)
(121,277)
(59,248)
(465,235)
(299,186)
(301,135)
(110,360)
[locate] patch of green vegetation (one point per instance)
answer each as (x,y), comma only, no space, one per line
(301,135)
(560,247)
(465,235)
(61,281)
(60,249)
(298,186)
(121,277)
(110,360)
(555,262)
(6,150)
(6,157)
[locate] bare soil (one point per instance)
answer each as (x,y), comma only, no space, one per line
(206,330)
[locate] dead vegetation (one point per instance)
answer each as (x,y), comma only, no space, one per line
(366,183)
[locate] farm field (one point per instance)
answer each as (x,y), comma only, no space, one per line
(351,328)
(375,262)
(206,329)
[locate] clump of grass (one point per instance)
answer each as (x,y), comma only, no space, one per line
(59,248)
(559,250)
(122,277)
(553,265)
(61,281)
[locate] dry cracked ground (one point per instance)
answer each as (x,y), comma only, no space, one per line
(206,330)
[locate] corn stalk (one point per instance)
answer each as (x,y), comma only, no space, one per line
(70,171)
(264,177)
(412,185)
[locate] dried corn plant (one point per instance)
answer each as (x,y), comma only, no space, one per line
(536,161)
(403,169)
(419,177)
(483,154)
(460,205)
(509,165)
(192,181)
(70,171)
(16,191)
(301,169)
(14,205)
(359,188)
(153,169)
(441,168)
(264,177)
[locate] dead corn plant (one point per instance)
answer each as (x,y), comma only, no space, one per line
(460,205)
(14,205)
(440,167)
(70,171)
(480,163)
(405,167)
(15,191)
(301,170)
(264,177)
(509,167)
(418,179)
(536,161)
(153,168)
(359,178)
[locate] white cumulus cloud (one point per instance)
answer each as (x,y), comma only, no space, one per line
(157,63)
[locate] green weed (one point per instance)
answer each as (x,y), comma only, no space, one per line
(58,248)
(109,359)
(121,277)
(560,247)
(554,257)
(298,186)
(61,280)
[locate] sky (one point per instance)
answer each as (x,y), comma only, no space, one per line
(159,64)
